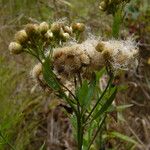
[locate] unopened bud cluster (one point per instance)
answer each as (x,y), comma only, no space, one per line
(43,34)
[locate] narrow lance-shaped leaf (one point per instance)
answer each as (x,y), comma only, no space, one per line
(49,76)
(82,92)
(107,104)
(117,23)
(91,91)
(86,92)
(119,108)
(100,73)
(122,137)
(42,147)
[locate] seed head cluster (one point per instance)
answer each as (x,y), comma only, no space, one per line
(92,55)
(70,60)
(121,54)
(77,58)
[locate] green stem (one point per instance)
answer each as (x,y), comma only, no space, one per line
(70,103)
(79,132)
(31,53)
(96,133)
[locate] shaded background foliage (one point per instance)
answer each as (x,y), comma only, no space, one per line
(24,113)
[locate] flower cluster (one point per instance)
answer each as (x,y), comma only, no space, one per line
(27,37)
(44,34)
(72,58)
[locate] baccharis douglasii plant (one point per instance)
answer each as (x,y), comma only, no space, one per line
(71,66)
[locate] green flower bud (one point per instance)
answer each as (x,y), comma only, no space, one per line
(100,47)
(43,27)
(80,27)
(107,55)
(15,48)
(55,28)
(65,36)
(21,36)
(49,35)
(67,29)
(102,6)
(32,29)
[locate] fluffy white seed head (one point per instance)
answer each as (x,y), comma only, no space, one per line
(120,53)
(70,60)
(96,59)
(76,58)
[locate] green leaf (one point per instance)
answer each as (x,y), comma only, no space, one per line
(42,147)
(86,92)
(107,104)
(49,76)
(122,137)
(117,23)
(82,92)
(119,108)
(122,107)
(100,73)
